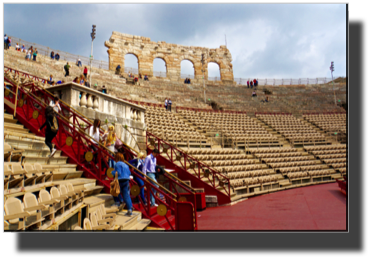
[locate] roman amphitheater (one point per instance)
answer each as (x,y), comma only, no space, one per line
(239,162)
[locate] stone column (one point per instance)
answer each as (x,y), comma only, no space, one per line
(96,103)
(145,64)
(83,100)
(89,101)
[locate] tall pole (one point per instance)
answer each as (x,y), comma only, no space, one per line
(92,43)
(203,71)
(332,78)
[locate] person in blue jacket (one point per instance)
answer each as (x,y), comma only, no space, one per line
(123,175)
(139,164)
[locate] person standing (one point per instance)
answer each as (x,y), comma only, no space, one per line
(110,143)
(166,103)
(104,90)
(150,170)
(79,62)
(57,56)
(251,83)
(67,69)
(118,68)
(170,105)
(248,83)
(5,42)
(51,124)
(94,133)
(52,55)
(55,104)
(124,175)
(85,72)
(139,164)
(255,83)
(35,55)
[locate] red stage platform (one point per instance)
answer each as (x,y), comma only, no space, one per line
(319,207)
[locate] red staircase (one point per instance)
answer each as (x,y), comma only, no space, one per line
(177,210)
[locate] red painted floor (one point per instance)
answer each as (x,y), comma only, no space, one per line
(319,207)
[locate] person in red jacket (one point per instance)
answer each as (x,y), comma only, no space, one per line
(85,72)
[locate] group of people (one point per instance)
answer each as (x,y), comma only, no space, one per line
(187,81)
(252,84)
(146,165)
(81,80)
(168,104)
(54,56)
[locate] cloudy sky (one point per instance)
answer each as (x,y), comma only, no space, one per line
(265,40)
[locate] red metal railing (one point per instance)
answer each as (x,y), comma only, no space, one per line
(74,142)
(189,163)
(211,110)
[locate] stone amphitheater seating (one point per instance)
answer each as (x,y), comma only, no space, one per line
(293,129)
(293,163)
(236,165)
(166,125)
(333,155)
(328,122)
(239,128)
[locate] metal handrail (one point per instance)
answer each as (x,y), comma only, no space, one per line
(86,135)
(193,160)
(80,114)
(74,110)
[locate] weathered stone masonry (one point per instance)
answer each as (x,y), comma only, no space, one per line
(146,51)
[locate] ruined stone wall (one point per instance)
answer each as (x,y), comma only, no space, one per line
(146,51)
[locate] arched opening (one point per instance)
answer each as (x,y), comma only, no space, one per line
(213,71)
(159,67)
(187,69)
(131,64)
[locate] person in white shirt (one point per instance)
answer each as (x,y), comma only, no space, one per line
(55,104)
(95,134)
(79,62)
(17,47)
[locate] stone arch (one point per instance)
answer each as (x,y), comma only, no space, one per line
(212,77)
(119,44)
(181,72)
(138,62)
(163,57)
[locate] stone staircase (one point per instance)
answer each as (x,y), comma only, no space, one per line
(35,151)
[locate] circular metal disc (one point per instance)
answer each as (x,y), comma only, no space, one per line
(6,92)
(152,142)
(192,165)
(35,114)
(89,156)
(135,190)
(182,199)
(20,103)
(69,141)
(109,172)
(165,150)
(178,158)
(162,210)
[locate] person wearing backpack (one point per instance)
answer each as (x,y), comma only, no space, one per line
(51,125)
(67,68)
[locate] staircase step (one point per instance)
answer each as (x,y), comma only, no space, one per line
(46,160)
